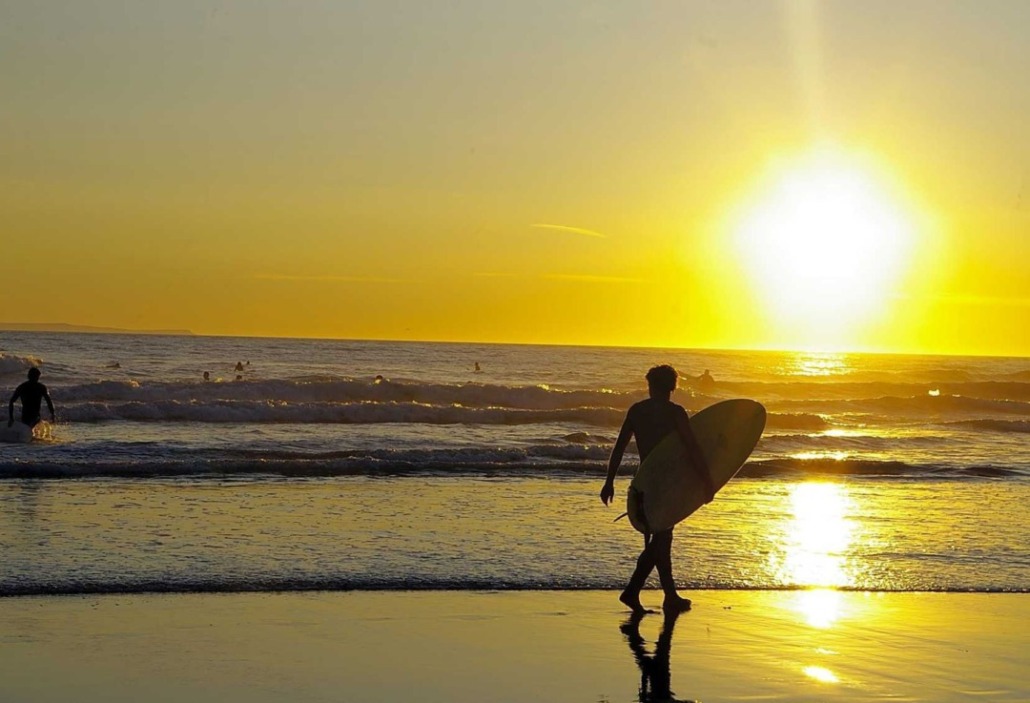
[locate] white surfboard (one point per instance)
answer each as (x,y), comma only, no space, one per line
(666,489)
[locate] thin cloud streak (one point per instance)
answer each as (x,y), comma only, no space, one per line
(574,230)
(587,278)
(985,300)
(970,300)
(327,279)
(573,277)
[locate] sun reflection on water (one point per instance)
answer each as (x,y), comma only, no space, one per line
(816,538)
(820,607)
(816,456)
(820,674)
(818,364)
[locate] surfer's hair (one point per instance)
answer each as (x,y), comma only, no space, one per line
(662,378)
(34,373)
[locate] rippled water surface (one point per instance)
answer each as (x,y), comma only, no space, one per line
(440,532)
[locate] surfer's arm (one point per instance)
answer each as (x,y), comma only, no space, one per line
(49,404)
(625,434)
(697,459)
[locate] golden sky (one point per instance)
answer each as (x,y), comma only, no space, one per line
(597,172)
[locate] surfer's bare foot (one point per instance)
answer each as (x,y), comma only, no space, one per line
(676,604)
(632,601)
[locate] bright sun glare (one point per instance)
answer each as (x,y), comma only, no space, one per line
(825,242)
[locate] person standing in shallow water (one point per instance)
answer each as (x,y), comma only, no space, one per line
(32,393)
(649,422)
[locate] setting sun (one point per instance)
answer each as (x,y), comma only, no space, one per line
(825,242)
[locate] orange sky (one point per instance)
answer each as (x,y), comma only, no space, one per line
(363,171)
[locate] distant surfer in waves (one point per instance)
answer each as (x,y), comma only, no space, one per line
(649,421)
(32,393)
(705,381)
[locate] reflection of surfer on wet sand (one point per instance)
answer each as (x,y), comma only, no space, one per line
(655,672)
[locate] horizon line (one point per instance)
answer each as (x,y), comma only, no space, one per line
(87,329)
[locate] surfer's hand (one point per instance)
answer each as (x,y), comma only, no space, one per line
(607,492)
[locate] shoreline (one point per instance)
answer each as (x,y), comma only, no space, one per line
(472,588)
(800,645)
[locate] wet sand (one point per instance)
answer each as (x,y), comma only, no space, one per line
(514,646)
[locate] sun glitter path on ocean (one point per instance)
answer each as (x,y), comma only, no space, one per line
(817,536)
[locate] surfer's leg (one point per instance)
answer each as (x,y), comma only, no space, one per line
(631,595)
(661,544)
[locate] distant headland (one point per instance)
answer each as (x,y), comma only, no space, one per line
(80,329)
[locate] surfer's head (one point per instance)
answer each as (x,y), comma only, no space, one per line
(661,380)
(33,374)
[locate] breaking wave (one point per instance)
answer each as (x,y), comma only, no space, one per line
(367,412)
(11,364)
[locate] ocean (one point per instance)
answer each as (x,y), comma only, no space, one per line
(322,464)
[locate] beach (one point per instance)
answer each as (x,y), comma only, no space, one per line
(513,646)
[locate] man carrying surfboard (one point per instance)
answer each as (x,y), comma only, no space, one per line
(649,422)
(32,394)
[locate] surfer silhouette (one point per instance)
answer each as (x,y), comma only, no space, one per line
(655,673)
(649,422)
(32,393)
(705,381)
